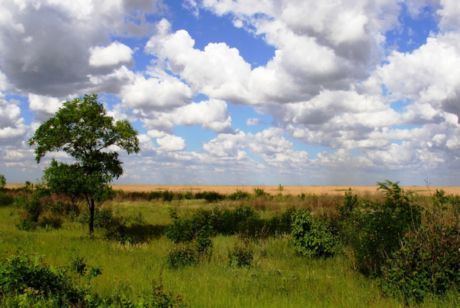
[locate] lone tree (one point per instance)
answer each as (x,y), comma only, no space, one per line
(82,129)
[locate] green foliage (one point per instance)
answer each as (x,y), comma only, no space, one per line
(239,195)
(375,230)
(20,275)
(182,255)
(35,210)
(259,193)
(2,182)
(5,199)
(203,243)
(241,255)
(312,237)
(82,129)
(427,262)
(209,196)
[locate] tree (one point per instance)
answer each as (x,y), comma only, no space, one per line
(82,129)
(2,181)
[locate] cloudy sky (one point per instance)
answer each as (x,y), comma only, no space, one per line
(244,91)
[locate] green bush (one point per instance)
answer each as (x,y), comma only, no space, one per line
(209,196)
(5,199)
(312,237)
(374,230)
(181,256)
(428,260)
(50,220)
(2,182)
(19,275)
(239,195)
(241,255)
(203,244)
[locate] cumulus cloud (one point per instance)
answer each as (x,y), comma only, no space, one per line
(12,126)
(155,93)
(55,38)
(113,54)
(211,114)
(44,104)
(171,143)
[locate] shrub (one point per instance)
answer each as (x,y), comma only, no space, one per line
(203,244)
(375,230)
(427,262)
(5,199)
(312,237)
(259,193)
(20,275)
(238,195)
(50,220)
(241,255)
(209,196)
(181,256)
(2,182)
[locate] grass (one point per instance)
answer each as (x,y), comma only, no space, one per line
(278,277)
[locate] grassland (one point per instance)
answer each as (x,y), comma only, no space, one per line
(274,190)
(278,277)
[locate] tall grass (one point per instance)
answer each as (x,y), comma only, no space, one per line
(278,277)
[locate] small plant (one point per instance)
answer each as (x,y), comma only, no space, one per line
(164,299)
(78,265)
(203,244)
(241,255)
(312,237)
(181,256)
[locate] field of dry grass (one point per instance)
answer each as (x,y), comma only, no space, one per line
(293,190)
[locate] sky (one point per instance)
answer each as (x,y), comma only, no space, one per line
(240,92)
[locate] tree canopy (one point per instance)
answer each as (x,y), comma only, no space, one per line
(82,129)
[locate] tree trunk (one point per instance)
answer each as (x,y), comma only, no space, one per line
(91,217)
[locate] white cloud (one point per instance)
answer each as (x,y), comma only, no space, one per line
(155,93)
(211,114)
(113,54)
(44,104)
(171,143)
(12,125)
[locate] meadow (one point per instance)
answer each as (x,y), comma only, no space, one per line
(277,276)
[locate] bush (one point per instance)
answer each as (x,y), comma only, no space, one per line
(5,199)
(2,182)
(312,237)
(375,230)
(238,195)
(209,196)
(181,256)
(50,220)
(203,244)
(428,260)
(20,275)
(241,255)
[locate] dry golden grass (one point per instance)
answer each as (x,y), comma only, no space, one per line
(293,190)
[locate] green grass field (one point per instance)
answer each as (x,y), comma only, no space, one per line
(278,277)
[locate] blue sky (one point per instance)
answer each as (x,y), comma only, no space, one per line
(244,92)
